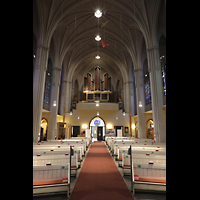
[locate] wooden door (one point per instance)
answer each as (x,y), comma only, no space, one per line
(76,131)
(100,133)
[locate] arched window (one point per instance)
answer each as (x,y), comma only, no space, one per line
(147,86)
(163,68)
(162,48)
(47,86)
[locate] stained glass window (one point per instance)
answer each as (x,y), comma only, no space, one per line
(148,92)
(164,78)
(163,68)
(97,122)
(47,85)
(47,91)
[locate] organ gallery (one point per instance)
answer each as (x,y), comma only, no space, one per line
(97,89)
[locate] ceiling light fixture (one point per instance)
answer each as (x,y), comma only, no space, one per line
(98,14)
(97,38)
(97,57)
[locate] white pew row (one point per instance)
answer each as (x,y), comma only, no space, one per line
(55,148)
(139,150)
(51,178)
(109,139)
(115,146)
(64,149)
(151,160)
(136,140)
(58,153)
(131,142)
(85,142)
(55,145)
(56,160)
(86,139)
(147,177)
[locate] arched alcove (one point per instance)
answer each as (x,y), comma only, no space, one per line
(44,129)
(150,129)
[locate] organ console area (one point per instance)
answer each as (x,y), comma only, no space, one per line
(97,89)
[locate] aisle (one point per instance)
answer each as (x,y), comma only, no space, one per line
(99,178)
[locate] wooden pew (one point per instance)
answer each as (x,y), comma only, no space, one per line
(147,177)
(153,149)
(47,152)
(57,144)
(56,160)
(51,178)
(149,159)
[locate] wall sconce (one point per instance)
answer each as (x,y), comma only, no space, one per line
(97,103)
(70,113)
(84,126)
(124,113)
(133,126)
(78,117)
(140,104)
(54,103)
(109,126)
(97,112)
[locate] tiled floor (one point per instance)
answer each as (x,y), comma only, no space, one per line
(138,196)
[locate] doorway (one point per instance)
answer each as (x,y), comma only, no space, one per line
(118,128)
(99,133)
(76,131)
(97,128)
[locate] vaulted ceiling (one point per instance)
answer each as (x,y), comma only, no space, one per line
(69,28)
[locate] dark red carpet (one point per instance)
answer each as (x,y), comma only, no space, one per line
(99,178)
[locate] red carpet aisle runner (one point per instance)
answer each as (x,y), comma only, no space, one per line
(99,178)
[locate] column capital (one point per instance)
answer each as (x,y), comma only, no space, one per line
(43,47)
(152,48)
(128,82)
(67,81)
(57,68)
(138,70)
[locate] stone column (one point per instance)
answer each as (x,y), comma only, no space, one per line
(139,85)
(126,96)
(52,129)
(155,74)
(131,98)
(68,96)
(38,88)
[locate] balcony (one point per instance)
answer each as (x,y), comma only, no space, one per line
(92,106)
